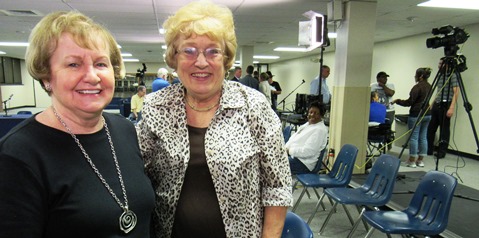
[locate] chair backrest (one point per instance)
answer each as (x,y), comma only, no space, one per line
(287,133)
(432,200)
(295,227)
(24,112)
(343,166)
(319,164)
(381,179)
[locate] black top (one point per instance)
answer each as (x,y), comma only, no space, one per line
(274,97)
(48,189)
(198,212)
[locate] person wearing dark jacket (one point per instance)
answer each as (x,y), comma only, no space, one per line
(248,79)
(417,96)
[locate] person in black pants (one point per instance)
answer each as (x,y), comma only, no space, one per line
(442,110)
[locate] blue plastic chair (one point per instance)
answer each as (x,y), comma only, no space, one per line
(316,169)
(287,133)
(295,227)
(339,176)
(24,112)
(376,190)
(427,213)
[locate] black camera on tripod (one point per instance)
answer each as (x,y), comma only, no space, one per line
(141,72)
(448,37)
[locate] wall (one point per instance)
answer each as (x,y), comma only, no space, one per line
(400,59)
(31,94)
(23,95)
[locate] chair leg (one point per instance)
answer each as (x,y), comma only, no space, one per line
(361,211)
(299,199)
(319,197)
(295,184)
(316,208)
(327,218)
(349,214)
(370,232)
(356,223)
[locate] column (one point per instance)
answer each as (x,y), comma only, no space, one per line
(353,57)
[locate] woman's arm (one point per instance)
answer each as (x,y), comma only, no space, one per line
(273,221)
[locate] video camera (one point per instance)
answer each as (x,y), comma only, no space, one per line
(141,72)
(451,36)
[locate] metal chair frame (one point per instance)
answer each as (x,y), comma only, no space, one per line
(375,192)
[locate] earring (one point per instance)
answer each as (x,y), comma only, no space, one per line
(48,87)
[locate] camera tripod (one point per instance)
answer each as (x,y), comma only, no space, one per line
(448,68)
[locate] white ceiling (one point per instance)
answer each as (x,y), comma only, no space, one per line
(263,24)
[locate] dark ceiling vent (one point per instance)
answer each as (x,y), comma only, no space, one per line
(22,13)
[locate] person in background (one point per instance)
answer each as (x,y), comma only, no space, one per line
(417,98)
(264,87)
(161,80)
(385,92)
(175,78)
(377,111)
(73,170)
(248,79)
(137,104)
(256,75)
(237,74)
(213,148)
(314,85)
(442,110)
(305,146)
(275,90)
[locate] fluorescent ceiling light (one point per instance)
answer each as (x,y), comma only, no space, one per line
(461,4)
(126,54)
(13,43)
(131,60)
(265,57)
(2,53)
(291,49)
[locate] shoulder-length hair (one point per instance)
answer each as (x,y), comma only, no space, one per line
(201,18)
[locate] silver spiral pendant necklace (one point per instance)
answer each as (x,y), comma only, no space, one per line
(128,218)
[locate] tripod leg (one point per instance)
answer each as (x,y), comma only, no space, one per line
(468,108)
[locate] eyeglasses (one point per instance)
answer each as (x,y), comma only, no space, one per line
(192,53)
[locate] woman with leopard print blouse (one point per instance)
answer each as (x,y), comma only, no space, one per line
(212,148)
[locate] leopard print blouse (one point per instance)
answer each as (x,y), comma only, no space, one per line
(244,151)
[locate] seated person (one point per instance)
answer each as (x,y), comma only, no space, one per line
(377,111)
(305,146)
(137,104)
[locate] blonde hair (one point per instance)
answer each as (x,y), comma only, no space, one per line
(85,32)
(201,18)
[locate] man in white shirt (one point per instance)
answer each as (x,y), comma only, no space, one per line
(314,85)
(305,146)
(385,92)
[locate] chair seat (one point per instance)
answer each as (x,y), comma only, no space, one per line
(295,227)
(427,213)
(397,222)
(319,180)
(356,196)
